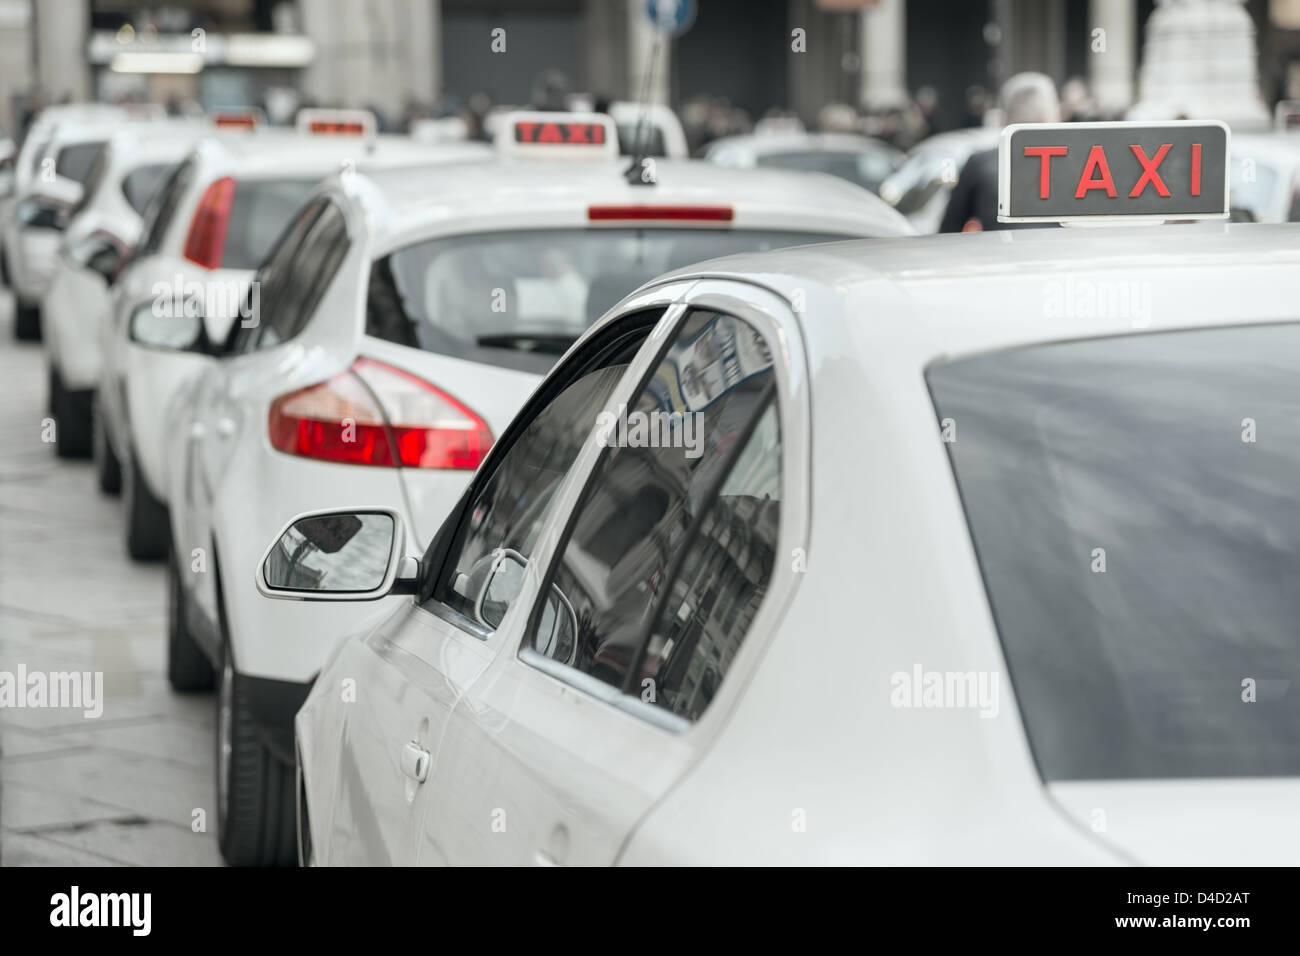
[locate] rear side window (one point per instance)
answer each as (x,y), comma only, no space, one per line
(1132,502)
(163,209)
(75,162)
(298,285)
(141,185)
(258,214)
(669,555)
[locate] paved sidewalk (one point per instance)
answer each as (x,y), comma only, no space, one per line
(122,788)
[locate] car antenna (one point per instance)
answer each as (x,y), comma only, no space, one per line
(641,132)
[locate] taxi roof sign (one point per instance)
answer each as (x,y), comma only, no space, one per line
(250,118)
(322,122)
(1134,172)
(547,135)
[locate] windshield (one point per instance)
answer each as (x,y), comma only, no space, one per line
(519,299)
(867,169)
(1132,502)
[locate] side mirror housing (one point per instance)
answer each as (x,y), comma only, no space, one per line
(167,331)
(339,556)
(106,259)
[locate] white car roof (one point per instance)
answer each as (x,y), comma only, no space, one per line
(532,193)
(278,153)
(964,294)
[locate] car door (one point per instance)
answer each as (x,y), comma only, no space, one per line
(210,432)
(411,673)
(631,613)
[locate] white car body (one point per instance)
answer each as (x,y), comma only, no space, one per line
(138,381)
(463,745)
(219,426)
(76,305)
(921,186)
(861,160)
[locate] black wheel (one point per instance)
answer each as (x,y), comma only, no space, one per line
(188,668)
(27,322)
(256,823)
(108,470)
(147,523)
(71,411)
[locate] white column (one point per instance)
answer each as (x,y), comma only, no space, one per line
(62,30)
(1112,54)
(641,39)
(884,55)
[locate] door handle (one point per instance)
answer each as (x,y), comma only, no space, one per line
(225,427)
(415,762)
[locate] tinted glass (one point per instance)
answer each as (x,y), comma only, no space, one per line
(76,162)
(656,482)
(275,282)
(867,170)
(258,215)
(1132,503)
(142,184)
(519,299)
(158,219)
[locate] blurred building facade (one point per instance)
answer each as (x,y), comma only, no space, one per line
(405,57)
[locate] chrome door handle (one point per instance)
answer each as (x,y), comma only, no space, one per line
(225,427)
(415,762)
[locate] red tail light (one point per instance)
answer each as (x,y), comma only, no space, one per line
(673,213)
(206,242)
(375,414)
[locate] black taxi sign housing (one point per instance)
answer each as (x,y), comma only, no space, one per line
(1068,172)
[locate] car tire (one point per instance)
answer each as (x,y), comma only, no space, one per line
(27,322)
(108,470)
(188,668)
(256,819)
(72,438)
(147,522)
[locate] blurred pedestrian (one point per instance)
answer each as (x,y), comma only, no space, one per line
(973,205)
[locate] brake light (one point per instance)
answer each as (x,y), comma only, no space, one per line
(205,244)
(674,213)
(374,414)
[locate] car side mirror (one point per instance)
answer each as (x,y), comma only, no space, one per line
(339,556)
(166,330)
(105,259)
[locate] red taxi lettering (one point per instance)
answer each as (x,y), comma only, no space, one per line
(1149,174)
(1196,169)
(1096,163)
(1045,154)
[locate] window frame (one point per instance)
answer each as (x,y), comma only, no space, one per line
(774,318)
(435,561)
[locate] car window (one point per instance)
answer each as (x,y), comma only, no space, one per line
(505,508)
(306,276)
(867,169)
(274,285)
(75,162)
(1132,505)
(142,184)
(655,597)
(520,299)
(163,209)
(258,214)
(94,180)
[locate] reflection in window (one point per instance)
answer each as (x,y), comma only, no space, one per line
(644,508)
(332,553)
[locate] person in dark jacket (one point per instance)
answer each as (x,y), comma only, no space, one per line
(1026,98)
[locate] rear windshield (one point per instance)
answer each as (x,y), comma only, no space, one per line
(260,211)
(76,162)
(867,169)
(1133,505)
(142,184)
(648,136)
(519,299)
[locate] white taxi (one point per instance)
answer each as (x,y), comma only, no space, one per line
(861,160)
(102,230)
(967,550)
(211,225)
(407,315)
